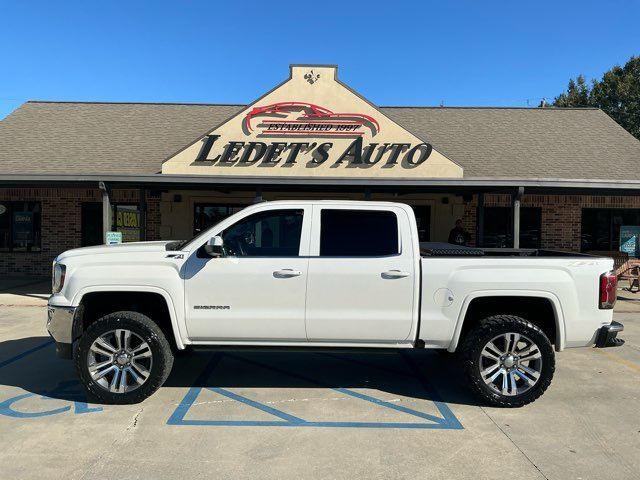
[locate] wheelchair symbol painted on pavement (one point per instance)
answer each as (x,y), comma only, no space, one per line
(65,391)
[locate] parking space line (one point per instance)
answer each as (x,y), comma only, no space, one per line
(442,407)
(360,396)
(24,354)
(448,420)
(177,417)
(258,405)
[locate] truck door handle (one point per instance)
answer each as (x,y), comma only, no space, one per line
(287,272)
(395,274)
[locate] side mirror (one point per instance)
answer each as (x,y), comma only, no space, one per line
(215,247)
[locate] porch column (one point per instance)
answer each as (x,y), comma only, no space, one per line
(106,211)
(142,207)
(516,217)
(480,221)
(258,196)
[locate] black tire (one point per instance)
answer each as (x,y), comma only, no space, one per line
(478,337)
(147,330)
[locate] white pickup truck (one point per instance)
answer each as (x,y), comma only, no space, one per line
(326,274)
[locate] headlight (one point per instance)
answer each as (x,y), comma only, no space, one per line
(57,277)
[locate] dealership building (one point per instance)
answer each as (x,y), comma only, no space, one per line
(70,172)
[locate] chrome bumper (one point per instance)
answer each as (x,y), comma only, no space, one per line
(60,323)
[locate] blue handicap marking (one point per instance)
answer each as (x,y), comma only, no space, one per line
(66,391)
(446,419)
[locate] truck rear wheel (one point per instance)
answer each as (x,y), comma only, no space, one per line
(123,358)
(509,361)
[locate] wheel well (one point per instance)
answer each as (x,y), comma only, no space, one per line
(536,310)
(98,304)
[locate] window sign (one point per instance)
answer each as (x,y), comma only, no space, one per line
(22,228)
(127,221)
(629,236)
(113,238)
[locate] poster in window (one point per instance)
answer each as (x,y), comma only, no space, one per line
(629,237)
(127,220)
(22,228)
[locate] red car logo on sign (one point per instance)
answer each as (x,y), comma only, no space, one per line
(307,119)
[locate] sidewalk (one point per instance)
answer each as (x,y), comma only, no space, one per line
(627,302)
(24,291)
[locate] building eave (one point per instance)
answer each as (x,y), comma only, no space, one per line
(175,181)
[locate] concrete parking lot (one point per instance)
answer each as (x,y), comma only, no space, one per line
(292,415)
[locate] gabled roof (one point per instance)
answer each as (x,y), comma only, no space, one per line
(135,138)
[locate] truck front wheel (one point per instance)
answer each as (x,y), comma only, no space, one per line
(123,358)
(509,361)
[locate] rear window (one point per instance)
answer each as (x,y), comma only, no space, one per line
(358,233)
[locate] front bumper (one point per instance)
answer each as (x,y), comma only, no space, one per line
(60,327)
(607,335)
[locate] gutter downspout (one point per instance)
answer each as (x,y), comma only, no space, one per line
(106,211)
(516,217)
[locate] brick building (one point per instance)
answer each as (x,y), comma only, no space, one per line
(564,179)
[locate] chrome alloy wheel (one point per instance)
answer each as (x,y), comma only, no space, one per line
(119,361)
(510,364)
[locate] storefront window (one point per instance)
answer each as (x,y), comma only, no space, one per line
(206,215)
(20,226)
(423,221)
(601,227)
(126,219)
(498,227)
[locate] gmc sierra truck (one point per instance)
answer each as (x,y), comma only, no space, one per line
(326,274)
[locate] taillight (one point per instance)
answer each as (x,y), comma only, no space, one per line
(608,290)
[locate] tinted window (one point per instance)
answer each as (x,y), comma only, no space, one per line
(206,215)
(498,227)
(358,233)
(601,227)
(423,221)
(20,226)
(265,234)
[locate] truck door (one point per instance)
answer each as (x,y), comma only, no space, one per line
(362,278)
(256,291)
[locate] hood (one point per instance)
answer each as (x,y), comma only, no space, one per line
(132,247)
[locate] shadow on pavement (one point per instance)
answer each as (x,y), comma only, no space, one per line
(30,364)
(36,288)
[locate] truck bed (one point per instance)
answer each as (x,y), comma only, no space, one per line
(453,276)
(441,249)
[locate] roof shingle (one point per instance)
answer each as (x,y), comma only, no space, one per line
(135,138)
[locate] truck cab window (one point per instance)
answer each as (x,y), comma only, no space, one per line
(358,233)
(266,234)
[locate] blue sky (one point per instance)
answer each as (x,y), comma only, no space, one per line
(393,52)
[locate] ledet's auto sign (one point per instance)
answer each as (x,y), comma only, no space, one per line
(279,121)
(306,127)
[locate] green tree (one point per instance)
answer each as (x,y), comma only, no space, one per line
(617,94)
(577,94)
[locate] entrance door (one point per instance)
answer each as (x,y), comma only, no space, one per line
(362,275)
(256,291)
(91,224)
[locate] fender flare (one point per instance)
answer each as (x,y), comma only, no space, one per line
(175,327)
(555,303)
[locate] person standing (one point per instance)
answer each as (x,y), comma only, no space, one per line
(458,235)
